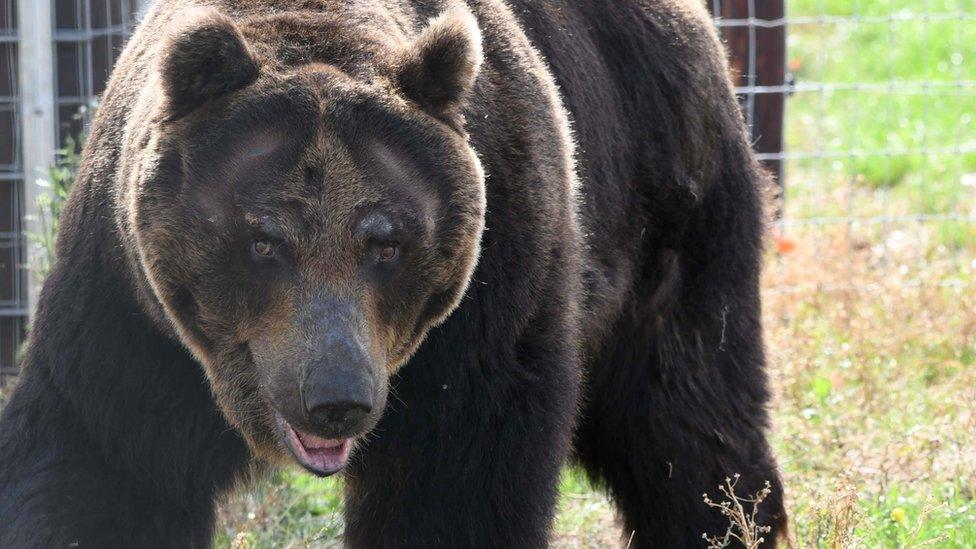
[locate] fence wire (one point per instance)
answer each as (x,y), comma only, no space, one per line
(12,275)
(88,36)
(878,156)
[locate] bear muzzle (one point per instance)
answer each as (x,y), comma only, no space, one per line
(326,388)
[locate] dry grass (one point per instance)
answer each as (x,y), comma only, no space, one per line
(872,332)
(872,340)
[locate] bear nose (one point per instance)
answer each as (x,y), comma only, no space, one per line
(340,417)
(339,390)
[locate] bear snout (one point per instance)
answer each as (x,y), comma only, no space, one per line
(338,395)
(330,396)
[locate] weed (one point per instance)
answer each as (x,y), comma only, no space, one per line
(742,518)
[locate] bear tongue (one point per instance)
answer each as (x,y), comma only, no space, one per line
(319,455)
(312,442)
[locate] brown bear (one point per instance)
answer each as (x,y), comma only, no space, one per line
(442,246)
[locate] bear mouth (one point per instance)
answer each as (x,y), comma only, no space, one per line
(320,456)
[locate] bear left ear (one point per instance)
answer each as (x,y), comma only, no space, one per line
(207,58)
(439,67)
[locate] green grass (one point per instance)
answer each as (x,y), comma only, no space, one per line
(903,517)
(927,63)
(875,419)
(289,507)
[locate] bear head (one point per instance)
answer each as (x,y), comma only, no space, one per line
(303,223)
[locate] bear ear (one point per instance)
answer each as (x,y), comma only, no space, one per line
(205,59)
(439,67)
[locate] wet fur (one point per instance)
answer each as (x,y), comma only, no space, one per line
(613,316)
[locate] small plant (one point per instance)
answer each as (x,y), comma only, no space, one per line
(742,523)
(60,177)
(914,540)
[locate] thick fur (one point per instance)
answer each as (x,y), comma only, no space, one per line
(614,315)
(438,68)
(206,60)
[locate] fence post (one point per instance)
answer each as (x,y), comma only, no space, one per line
(36,77)
(757,52)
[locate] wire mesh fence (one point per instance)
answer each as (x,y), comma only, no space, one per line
(12,282)
(86,39)
(878,156)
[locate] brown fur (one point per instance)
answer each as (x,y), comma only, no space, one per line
(320,226)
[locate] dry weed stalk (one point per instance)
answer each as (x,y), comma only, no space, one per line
(913,541)
(844,513)
(742,523)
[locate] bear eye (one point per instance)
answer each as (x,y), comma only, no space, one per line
(387,252)
(263,248)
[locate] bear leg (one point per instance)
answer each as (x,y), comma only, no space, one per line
(676,404)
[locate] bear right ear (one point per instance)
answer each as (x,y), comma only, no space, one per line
(439,67)
(206,59)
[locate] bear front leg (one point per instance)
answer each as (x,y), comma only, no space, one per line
(471,447)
